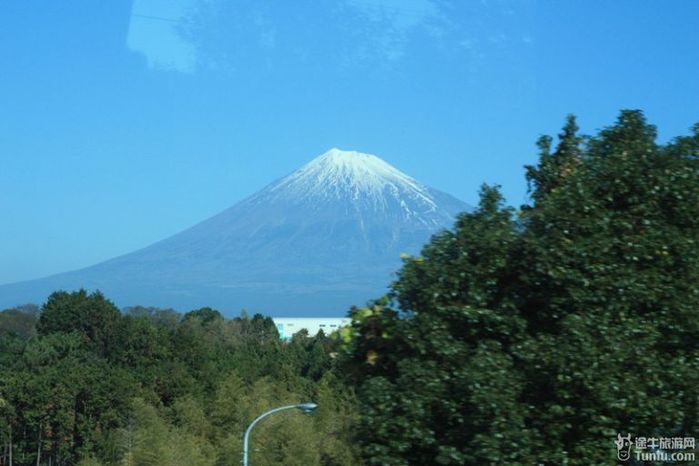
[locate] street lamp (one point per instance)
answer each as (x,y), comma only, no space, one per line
(304,407)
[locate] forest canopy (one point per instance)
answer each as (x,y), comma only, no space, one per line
(148,386)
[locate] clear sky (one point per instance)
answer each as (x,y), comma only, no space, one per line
(124,122)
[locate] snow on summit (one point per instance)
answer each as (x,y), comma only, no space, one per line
(340,173)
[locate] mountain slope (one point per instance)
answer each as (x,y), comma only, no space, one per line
(325,237)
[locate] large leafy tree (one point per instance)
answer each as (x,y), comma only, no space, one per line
(438,379)
(535,340)
(92,316)
(610,285)
(19,321)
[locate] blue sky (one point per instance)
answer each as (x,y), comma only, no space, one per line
(125,122)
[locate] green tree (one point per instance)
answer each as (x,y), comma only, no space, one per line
(553,168)
(91,315)
(19,321)
(154,442)
(610,284)
(205,315)
(536,340)
(437,381)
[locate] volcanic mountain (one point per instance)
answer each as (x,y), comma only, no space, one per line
(325,237)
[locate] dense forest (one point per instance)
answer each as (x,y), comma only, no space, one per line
(83,383)
(521,336)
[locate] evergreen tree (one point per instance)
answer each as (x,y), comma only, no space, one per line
(90,315)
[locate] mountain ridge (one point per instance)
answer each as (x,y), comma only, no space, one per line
(316,241)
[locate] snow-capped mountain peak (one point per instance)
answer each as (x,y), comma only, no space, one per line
(351,174)
(325,237)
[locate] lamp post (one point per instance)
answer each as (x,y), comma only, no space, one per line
(304,407)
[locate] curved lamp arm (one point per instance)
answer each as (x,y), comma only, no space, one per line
(305,407)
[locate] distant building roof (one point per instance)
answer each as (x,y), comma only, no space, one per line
(288,326)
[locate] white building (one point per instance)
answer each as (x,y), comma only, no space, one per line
(287,326)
